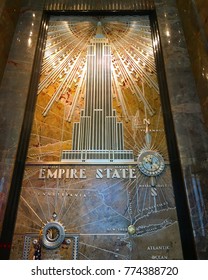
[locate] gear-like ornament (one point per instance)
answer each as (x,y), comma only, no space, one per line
(151,163)
(53,235)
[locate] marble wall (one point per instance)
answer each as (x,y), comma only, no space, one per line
(186,103)
(9,12)
(201,8)
(14,92)
(194,19)
(191,134)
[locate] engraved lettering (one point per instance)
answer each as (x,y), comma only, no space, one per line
(124,170)
(99,174)
(60,173)
(132,173)
(42,173)
(82,174)
(108,170)
(115,174)
(73,174)
(51,174)
(156,248)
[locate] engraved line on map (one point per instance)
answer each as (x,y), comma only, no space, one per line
(32,220)
(164,224)
(62,217)
(83,255)
(86,214)
(141,140)
(103,197)
(157,127)
(26,189)
(94,222)
(34,229)
(116,212)
(43,212)
(113,185)
(102,249)
(31,209)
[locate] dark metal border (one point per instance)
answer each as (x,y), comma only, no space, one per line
(15,188)
(185,226)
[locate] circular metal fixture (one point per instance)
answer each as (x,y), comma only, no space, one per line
(151,163)
(54,215)
(68,241)
(35,241)
(53,235)
(131,229)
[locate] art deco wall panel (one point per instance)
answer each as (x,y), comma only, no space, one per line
(87,5)
(97,181)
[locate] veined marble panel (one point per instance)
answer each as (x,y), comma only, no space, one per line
(189,125)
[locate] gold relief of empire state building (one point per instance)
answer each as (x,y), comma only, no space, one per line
(97,181)
(98,137)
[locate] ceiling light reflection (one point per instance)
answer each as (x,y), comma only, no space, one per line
(29,42)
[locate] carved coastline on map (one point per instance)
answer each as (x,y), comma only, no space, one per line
(98,212)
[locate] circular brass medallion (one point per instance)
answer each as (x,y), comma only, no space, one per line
(131,229)
(151,163)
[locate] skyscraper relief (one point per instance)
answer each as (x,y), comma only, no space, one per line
(98,135)
(98,95)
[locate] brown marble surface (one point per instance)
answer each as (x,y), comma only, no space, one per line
(191,133)
(194,18)
(14,91)
(9,12)
(201,8)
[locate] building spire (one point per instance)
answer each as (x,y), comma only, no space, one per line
(99,31)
